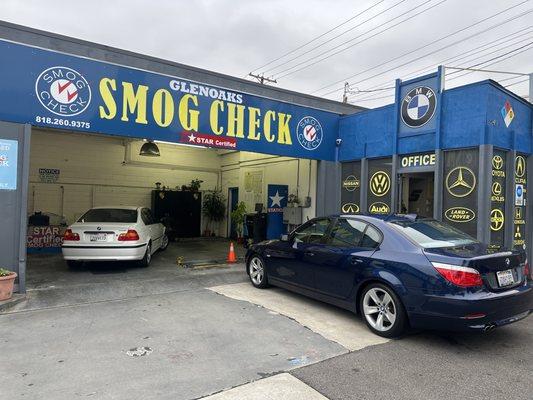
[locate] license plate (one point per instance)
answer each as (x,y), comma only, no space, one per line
(505,278)
(98,237)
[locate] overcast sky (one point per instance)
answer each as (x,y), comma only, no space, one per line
(239,36)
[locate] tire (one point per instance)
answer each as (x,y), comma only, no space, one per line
(257,272)
(164,243)
(145,262)
(383,311)
(74,264)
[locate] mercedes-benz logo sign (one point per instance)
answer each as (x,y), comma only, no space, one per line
(418,106)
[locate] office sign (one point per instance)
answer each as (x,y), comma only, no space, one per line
(8,164)
(418,160)
(74,93)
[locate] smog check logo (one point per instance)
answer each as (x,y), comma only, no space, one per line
(63,91)
(309,133)
(418,106)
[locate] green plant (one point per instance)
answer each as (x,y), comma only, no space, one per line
(5,272)
(214,207)
(195,185)
(237,217)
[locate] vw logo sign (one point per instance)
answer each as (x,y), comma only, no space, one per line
(309,133)
(418,106)
(63,91)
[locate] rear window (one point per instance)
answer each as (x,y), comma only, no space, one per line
(118,215)
(433,234)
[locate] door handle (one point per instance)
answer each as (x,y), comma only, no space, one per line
(308,253)
(356,261)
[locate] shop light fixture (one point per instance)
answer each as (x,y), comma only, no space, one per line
(181,144)
(149,149)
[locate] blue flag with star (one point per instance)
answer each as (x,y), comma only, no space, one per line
(276,201)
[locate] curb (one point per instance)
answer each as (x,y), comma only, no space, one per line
(12,302)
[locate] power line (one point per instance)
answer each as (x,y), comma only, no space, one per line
(335,37)
(361,41)
(491,61)
(321,35)
(430,44)
(468,53)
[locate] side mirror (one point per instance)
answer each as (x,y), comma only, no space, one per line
(284,238)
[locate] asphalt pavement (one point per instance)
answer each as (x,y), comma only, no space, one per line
(496,365)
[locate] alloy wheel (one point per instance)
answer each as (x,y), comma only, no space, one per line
(379,309)
(257,271)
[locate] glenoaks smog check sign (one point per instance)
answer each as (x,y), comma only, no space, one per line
(50,89)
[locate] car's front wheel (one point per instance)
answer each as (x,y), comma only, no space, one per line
(383,311)
(257,272)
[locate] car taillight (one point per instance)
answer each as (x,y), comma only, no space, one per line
(131,234)
(527,270)
(69,235)
(458,275)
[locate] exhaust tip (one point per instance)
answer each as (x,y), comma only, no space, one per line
(489,327)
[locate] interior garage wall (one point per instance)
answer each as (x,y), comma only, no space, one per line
(102,170)
(238,168)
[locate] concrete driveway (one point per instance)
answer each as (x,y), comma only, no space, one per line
(174,333)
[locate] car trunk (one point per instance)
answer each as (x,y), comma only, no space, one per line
(497,269)
(100,232)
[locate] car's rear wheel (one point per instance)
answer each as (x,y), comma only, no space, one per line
(145,262)
(383,311)
(257,272)
(164,243)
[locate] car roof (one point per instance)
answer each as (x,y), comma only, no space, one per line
(384,217)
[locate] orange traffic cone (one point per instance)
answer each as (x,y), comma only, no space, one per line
(231,255)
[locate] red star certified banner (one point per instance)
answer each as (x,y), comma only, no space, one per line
(200,139)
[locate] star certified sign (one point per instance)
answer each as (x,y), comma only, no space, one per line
(276,200)
(418,106)
(460,181)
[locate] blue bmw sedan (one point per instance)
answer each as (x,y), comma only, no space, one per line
(398,271)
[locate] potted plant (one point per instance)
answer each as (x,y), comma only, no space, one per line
(7,279)
(195,185)
(293,200)
(237,217)
(214,208)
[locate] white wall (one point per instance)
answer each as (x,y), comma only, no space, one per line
(104,170)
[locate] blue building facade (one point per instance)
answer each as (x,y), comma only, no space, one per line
(460,155)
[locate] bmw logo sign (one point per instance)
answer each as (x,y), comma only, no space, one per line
(63,91)
(418,106)
(309,133)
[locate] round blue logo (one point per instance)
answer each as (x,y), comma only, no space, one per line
(309,133)
(519,191)
(63,91)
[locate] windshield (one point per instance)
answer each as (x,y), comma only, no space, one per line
(431,234)
(118,215)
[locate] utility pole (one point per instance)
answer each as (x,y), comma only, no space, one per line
(262,79)
(346,91)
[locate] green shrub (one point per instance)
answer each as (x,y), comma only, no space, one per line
(5,272)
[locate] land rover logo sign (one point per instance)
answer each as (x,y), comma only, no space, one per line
(379,208)
(418,106)
(351,183)
(460,214)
